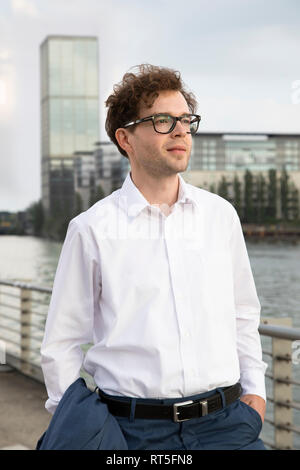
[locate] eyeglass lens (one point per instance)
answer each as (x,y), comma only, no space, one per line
(164,122)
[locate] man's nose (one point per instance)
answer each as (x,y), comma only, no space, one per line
(179,129)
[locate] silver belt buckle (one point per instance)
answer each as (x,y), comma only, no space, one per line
(176,412)
(203,404)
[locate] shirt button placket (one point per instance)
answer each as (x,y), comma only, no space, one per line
(186,346)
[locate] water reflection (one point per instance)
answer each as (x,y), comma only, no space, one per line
(276,270)
(29,258)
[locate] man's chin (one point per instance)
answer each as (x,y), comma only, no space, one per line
(180,166)
(175,169)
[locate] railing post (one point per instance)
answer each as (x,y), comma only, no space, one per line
(25,322)
(282,392)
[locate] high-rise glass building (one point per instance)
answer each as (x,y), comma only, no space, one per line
(69,113)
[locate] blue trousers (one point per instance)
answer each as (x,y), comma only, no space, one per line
(234,427)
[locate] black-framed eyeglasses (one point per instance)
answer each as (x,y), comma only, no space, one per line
(165,123)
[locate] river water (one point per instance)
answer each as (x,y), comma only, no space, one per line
(275,267)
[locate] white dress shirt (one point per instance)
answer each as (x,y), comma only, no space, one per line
(168,302)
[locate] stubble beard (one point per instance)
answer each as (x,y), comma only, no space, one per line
(160,167)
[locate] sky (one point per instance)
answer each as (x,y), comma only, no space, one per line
(239,57)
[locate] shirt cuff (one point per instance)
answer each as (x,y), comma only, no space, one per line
(51,405)
(253,382)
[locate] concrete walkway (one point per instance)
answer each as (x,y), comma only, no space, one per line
(23,417)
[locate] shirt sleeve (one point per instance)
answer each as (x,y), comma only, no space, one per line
(70,318)
(247,305)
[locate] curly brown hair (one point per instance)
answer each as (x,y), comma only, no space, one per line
(141,87)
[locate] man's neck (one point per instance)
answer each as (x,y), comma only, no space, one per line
(158,191)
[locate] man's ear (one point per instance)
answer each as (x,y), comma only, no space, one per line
(122,136)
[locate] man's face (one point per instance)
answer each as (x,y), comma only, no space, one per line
(161,154)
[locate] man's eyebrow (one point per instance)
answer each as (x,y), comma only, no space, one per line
(171,114)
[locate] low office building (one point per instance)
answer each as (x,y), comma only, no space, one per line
(100,171)
(111,166)
(218,155)
(241,151)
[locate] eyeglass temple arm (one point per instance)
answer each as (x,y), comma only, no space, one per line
(138,121)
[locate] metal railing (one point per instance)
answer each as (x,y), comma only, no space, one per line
(23,312)
(281,350)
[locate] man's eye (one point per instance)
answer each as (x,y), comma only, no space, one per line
(163,119)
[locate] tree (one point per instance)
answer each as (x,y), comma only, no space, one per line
(249,215)
(260,198)
(36,213)
(284,194)
(223,188)
(294,203)
(212,188)
(78,203)
(271,212)
(96,194)
(58,218)
(237,195)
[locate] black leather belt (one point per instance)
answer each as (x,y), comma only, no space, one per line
(178,412)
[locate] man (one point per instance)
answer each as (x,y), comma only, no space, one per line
(157,277)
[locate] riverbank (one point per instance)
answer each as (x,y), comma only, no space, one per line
(272,232)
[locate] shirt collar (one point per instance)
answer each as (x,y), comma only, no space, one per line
(133,201)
